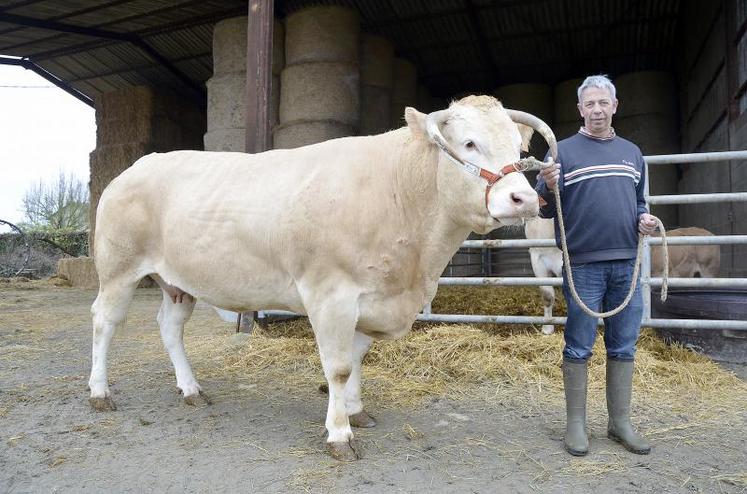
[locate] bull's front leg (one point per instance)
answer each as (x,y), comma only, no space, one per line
(353,403)
(334,328)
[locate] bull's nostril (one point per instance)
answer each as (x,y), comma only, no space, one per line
(517,199)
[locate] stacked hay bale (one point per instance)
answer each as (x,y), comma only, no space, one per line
(377,78)
(227,88)
(567,119)
(133,122)
(320,84)
(647,116)
(536,99)
(404,91)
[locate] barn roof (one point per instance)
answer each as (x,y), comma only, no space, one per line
(97,46)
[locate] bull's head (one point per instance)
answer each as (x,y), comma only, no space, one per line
(483,139)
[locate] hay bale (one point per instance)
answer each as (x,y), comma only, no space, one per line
(226,107)
(655,134)
(376,107)
(301,133)
(322,34)
(227,87)
(565,99)
(79,271)
(563,130)
(536,99)
(226,140)
(139,127)
(645,93)
(377,61)
(404,90)
(229,46)
(320,91)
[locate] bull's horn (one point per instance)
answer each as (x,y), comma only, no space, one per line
(538,125)
(431,126)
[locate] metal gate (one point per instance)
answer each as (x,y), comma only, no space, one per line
(646,280)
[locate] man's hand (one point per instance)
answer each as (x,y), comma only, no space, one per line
(647,224)
(551,175)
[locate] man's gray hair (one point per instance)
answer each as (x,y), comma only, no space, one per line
(601,81)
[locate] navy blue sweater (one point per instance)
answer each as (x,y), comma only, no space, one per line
(601,189)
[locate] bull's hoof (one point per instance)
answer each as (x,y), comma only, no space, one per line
(343,451)
(199,399)
(105,404)
(362,420)
(548,329)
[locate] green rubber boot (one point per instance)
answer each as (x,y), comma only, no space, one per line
(619,390)
(574,381)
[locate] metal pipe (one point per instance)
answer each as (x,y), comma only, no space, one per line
(699,282)
(668,159)
(700,240)
(506,281)
(548,242)
(698,198)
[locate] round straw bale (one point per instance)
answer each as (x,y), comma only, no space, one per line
(405,88)
(229,46)
(278,47)
(532,98)
(654,134)
(377,61)
(226,140)
(565,99)
(226,94)
(566,129)
(320,91)
(645,93)
(302,133)
(322,34)
(375,109)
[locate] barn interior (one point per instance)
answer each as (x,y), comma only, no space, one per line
(172,74)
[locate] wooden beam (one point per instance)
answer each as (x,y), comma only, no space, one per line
(258,75)
(258,87)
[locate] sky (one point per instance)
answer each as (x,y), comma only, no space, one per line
(43,130)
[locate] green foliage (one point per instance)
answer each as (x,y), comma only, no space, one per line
(56,208)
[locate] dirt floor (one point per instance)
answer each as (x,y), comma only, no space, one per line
(264,433)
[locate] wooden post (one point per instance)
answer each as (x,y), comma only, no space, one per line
(258,86)
(258,75)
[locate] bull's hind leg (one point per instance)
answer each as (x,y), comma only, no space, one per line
(353,404)
(171,319)
(109,311)
(334,323)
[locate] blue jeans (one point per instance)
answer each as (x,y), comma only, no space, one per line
(602,286)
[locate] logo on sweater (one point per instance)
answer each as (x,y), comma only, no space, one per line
(626,162)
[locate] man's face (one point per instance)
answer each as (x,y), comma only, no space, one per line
(597,107)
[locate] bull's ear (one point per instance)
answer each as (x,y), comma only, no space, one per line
(526,135)
(416,121)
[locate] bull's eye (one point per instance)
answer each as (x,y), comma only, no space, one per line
(469,145)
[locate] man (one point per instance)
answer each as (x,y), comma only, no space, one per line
(604,210)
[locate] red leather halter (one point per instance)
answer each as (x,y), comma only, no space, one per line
(492,178)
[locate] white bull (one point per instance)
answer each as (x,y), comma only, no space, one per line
(352,232)
(546,262)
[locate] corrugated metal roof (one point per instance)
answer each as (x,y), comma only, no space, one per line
(458,45)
